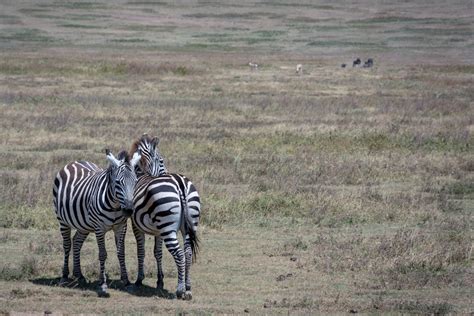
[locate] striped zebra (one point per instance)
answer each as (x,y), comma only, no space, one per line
(164,204)
(92,200)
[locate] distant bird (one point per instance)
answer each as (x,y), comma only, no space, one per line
(369,63)
(253,66)
(343,65)
(356,62)
(299,69)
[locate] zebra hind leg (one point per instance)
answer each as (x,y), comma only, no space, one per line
(140,238)
(102,292)
(188,253)
(66,234)
(158,251)
(175,250)
(78,241)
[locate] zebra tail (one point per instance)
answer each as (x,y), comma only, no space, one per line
(189,227)
(193,237)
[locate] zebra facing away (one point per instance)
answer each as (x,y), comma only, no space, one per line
(164,204)
(92,200)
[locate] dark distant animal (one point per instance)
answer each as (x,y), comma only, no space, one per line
(356,62)
(369,63)
(92,200)
(165,203)
(343,65)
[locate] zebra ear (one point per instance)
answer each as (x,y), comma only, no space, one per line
(155,141)
(110,157)
(136,158)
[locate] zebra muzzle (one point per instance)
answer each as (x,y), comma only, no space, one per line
(127,212)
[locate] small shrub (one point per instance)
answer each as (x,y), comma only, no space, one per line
(27,268)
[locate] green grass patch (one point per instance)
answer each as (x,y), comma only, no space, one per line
(147,3)
(86,17)
(39,217)
(339,43)
(129,40)
(25,269)
(9,19)
(232,15)
(464,188)
(267,33)
(32,10)
(83,5)
(299,5)
(204,46)
(79,26)
(438,31)
(25,35)
(149,28)
(417,307)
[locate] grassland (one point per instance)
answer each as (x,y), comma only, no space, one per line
(333,191)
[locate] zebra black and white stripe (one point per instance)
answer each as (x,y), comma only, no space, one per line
(92,200)
(165,204)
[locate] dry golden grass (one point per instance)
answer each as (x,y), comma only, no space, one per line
(336,190)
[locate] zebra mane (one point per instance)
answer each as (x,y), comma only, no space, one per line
(124,155)
(145,139)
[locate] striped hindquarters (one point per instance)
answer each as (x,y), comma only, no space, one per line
(192,199)
(157,205)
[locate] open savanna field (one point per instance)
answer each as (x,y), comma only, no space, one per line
(332,191)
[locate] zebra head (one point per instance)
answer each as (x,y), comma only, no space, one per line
(151,161)
(122,178)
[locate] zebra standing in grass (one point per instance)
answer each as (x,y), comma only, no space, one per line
(92,200)
(164,204)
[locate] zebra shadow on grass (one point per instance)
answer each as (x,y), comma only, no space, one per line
(143,290)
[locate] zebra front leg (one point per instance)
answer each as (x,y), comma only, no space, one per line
(78,241)
(158,251)
(119,233)
(66,234)
(188,254)
(100,236)
(140,239)
(175,250)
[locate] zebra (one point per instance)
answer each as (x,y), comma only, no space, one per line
(165,203)
(92,200)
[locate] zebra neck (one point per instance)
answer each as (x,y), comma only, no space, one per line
(108,197)
(139,172)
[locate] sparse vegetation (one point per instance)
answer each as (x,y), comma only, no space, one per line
(340,190)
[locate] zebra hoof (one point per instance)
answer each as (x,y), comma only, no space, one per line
(130,288)
(187,296)
(64,281)
(81,280)
(160,285)
(138,283)
(179,294)
(102,292)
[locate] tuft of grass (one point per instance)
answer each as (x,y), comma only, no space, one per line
(337,43)
(79,26)
(25,35)
(129,40)
(25,269)
(435,308)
